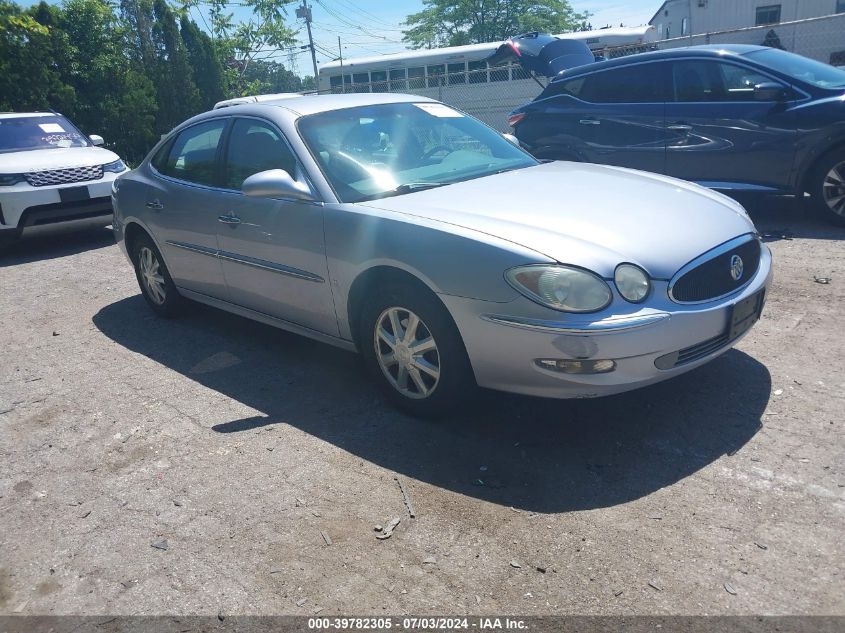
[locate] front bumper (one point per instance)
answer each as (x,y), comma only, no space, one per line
(504,341)
(23,207)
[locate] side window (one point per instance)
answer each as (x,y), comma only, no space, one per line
(711,81)
(193,154)
(253,147)
(740,81)
(640,83)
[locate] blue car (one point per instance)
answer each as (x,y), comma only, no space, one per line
(739,119)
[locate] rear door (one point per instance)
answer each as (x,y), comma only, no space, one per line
(272,251)
(626,125)
(184,203)
(614,117)
(720,136)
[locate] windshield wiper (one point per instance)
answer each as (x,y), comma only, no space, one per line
(409,187)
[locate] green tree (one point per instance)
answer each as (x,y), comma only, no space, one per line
(32,49)
(458,22)
(178,97)
(206,67)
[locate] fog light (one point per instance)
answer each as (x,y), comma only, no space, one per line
(577,366)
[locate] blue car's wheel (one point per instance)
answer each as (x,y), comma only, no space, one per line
(828,187)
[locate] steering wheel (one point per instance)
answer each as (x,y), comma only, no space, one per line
(435,149)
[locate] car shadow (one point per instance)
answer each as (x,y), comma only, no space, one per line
(528,453)
(785,218)
(53,245)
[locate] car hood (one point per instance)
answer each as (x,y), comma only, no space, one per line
(55,158)
(587,215)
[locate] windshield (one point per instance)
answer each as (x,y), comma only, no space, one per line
(375,151)
(807,70)
(39,132)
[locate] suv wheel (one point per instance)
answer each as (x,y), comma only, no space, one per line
(828,187)
(157,287)
(415,352)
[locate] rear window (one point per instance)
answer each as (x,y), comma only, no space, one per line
(26,133)
(639,83)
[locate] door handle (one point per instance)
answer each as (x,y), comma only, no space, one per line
(229,219)
(589,122)
(155,204)
(681,127)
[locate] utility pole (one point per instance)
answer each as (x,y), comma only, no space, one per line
(340,54)
(305,12)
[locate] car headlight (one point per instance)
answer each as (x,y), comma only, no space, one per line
(117,167)
(7,180)
(632,282)
(562,288)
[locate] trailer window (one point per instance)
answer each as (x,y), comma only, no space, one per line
(416,77)
(361,81)
(478,72)
(379,80)
(336,83)
(397,80)
(435,75)
(457,73)
(499,72)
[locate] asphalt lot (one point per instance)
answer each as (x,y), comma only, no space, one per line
(203,465)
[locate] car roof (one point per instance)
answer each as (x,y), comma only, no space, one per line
(711,50)
(313,104)
(20,115)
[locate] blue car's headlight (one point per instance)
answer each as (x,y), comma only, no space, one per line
(117,167)
(7,180)
(562,288)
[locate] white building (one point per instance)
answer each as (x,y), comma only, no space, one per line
(679,18)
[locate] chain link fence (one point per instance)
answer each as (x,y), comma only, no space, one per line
(490,93)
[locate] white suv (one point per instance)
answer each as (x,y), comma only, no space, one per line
(52,174)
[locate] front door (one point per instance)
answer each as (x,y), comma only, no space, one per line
(272,251)
(720,135)
(184,207)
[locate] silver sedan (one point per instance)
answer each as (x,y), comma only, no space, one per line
(447,256)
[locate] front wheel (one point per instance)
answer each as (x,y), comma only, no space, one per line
(415,352)
(828,187)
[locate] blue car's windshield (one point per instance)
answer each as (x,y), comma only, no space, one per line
(375,151)
(22,133)
(807,70)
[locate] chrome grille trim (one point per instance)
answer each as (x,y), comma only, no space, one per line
(49,177)
(706,257)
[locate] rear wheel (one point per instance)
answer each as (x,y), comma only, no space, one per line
(157,287)
(413,349)
(828,187)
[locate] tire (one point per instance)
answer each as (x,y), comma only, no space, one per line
(827,187)
(154,279)
(424,394)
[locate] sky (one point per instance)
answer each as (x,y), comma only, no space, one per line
(373,27)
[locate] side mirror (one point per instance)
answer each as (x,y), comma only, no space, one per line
(96,139)
(511,138)
(769,91)
(275,183)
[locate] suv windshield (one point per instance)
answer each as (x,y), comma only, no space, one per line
(375,151)
(39,132)
(807,70)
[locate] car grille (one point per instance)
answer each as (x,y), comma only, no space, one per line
(712,278)
(692,353)
(63,176)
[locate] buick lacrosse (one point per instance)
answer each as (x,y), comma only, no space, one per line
(447,256)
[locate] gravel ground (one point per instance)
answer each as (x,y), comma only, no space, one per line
(213,465)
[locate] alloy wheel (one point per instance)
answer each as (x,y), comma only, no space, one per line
(407,353)
(151,275)
(833,189)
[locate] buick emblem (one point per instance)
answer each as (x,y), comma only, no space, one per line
(736,267)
